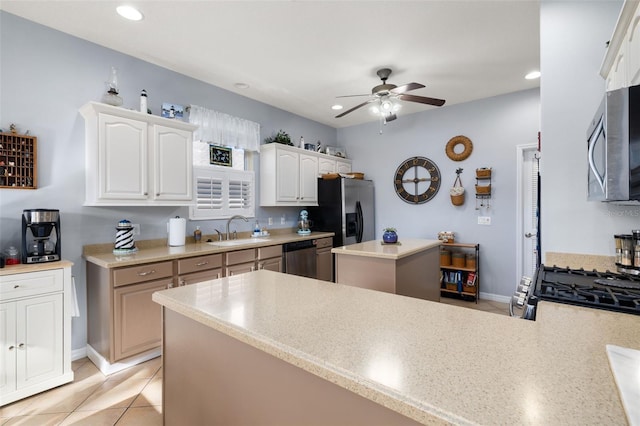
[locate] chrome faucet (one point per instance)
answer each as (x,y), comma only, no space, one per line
(219,234)
(237,216)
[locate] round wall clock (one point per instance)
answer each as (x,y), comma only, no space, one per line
(417,180)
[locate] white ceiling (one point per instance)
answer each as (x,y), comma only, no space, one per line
(300,55)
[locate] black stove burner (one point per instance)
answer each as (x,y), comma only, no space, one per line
(604,290)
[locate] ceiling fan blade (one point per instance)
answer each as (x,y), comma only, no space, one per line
(407,87)
(354,108)
(422,100)
(352,96)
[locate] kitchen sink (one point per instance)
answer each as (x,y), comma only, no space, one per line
(231,243)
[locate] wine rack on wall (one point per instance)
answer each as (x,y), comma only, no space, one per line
(20,156)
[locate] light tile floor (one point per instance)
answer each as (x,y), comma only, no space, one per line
(129,397)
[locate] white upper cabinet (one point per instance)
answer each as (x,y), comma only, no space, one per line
(288,176)
(327,164)
(621,66)
(136,159)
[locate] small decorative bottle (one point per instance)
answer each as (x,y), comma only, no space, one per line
(197,234)
(301,142)
(143,101)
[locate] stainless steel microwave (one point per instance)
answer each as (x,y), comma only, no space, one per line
(613,140)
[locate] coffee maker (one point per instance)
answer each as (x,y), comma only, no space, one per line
(40,235)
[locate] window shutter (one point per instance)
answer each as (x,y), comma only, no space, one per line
(222,193)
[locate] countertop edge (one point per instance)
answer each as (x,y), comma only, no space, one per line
(354,251)
(384,396)
(34,267)
(109,260)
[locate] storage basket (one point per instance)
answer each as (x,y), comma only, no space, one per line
(451,286)
(457,192)
(469,288)
(458,260)
(483,172)
(483,190)
(445,257)
(470,261)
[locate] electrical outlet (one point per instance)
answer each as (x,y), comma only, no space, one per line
(484,220)
(270,221)
(136,228)
(283,220)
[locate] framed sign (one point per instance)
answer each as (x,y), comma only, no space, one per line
(220,155)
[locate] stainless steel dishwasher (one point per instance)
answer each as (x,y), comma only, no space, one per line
(299,258)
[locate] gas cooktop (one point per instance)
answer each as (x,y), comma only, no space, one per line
(604,290)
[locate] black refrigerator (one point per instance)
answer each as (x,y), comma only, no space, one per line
(345,207)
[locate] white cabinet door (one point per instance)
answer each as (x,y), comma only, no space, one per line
(9,348)
(122,153)
(308,179)
(343,166)
(326,165)
(172,164)
(39,336)
(287,176)
(633,49)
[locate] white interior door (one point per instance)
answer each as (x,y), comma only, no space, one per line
(528,210)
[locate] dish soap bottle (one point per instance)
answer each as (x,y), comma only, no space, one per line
(197,234)
(256,229)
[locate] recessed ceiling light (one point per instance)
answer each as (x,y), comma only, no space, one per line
(336,107)
(241,85)
(532,75)
(129,12)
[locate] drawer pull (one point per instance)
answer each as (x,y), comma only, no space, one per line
(144,274)
(202,263)
(16,286)
(260,265)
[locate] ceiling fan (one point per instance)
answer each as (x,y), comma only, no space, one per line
(384,94)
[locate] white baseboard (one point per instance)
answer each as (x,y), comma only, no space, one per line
(78,354)
(495,297)
(107,368)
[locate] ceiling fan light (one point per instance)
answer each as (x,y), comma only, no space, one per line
(386,105)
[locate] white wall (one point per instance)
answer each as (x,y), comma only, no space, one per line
(495,126)
(573,36)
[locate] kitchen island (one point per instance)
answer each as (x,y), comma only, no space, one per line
(410,267)
(265,347)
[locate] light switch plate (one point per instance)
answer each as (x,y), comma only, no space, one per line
(484,220)
(136,228)
(270,222)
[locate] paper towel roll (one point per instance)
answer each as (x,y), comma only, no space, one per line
(177,228)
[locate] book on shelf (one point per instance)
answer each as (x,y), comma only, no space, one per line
(471,279)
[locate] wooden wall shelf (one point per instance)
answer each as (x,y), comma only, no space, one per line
(20,156)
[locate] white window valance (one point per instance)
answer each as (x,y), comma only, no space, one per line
(223,129)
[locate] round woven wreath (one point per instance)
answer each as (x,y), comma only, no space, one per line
(455,141)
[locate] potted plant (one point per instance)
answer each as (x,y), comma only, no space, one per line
(280,137)
(389,235)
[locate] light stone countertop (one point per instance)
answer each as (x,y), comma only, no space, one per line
(427,360)
(376,248)
(34,267)
(158,250)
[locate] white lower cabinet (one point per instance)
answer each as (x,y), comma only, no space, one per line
(35,333)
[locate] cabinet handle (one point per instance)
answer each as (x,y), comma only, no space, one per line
(21,346)
(218,275)
(202,263)
(16,286)
(158,194)
(146,193)
(143,274)
(260,265)
(182,282)
(253,268)
(170,285)
(11,347)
